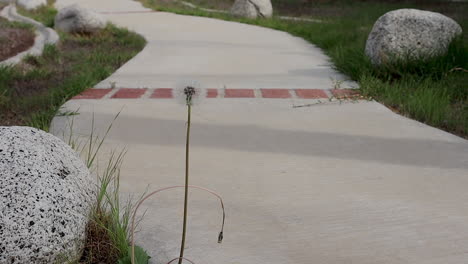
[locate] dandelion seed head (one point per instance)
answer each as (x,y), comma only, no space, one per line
(189,92)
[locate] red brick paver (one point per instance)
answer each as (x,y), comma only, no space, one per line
(129,93)
(275,93)
(239,93)
(311,93)
(93,94)
(162,93)
(211,93)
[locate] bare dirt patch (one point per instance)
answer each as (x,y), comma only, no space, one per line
(13,39)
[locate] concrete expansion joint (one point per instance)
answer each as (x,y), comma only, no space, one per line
(263,93)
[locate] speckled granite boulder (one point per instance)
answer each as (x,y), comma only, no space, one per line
(76,19)
(252,8)
(46,193)
(410,34)
(31,4)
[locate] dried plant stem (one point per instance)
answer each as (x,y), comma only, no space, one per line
(187,149)
(189,92)
(132,230)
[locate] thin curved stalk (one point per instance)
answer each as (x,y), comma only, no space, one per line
(132,232)
(181,258)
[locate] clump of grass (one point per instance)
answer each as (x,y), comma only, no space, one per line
(110,218)
(107,232)
(16,24)
(44,14)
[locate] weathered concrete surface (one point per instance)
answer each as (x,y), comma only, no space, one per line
(335,184)
(351,183)
(216,53)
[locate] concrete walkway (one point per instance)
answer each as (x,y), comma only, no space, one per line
(330,183)
(216,53)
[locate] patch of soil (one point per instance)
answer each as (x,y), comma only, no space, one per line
(9,118)
(13,40)
(99,248)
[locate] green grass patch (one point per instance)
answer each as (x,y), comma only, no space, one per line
(434,92)
(14,24)
(32,92)
(44,14)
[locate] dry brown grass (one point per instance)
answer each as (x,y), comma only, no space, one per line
(99,248)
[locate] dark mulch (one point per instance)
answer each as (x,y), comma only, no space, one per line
(98,247)
(13,40)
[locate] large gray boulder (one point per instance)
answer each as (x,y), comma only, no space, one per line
(252,8)
(31,4)
(46,194)
(76,19)
(409,34)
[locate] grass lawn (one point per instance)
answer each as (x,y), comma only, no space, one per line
(44,14)
(434,92)
(32,92)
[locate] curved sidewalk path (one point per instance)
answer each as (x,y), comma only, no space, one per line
(329,183)
(216,53)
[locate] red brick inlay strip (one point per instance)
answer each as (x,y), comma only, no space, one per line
(275,93)
(311,93)
(93,94)
(239,93)
(162,93)
(167,93)
(129,93)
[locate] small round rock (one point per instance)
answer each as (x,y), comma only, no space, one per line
(76,19)
(252,8)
